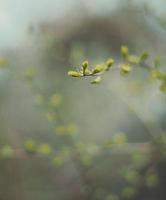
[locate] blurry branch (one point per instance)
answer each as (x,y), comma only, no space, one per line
(129,63)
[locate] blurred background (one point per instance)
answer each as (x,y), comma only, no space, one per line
(42,40)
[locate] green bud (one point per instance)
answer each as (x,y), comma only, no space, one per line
(44,149)
(125,68)
(133,59)
(144,56)
(109,63)
(156,74)
(98,69)
(97,80)
(74,73)
(85,64)
(30,146)
(124,51)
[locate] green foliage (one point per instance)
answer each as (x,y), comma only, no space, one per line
(128,64)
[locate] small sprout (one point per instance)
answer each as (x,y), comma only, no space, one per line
(6,152)
(109,63)
(74,73)
(144,56)
(133,59)
(157,75)
(124,51)
(55,100)
(98,69)
(30,146)
(125,68)
(84,66)
(88,72)
(152,180)
(44,149)
(97,80)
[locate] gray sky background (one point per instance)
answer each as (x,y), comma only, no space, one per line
(16,15)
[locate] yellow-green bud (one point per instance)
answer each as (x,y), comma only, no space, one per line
(124,51)
(97,80)
(125,68)
(133,59)
(74,74)
(44,149)
(144,56)
(98,69)
(85,64)
(109,63)
(156,74)
(30,146)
